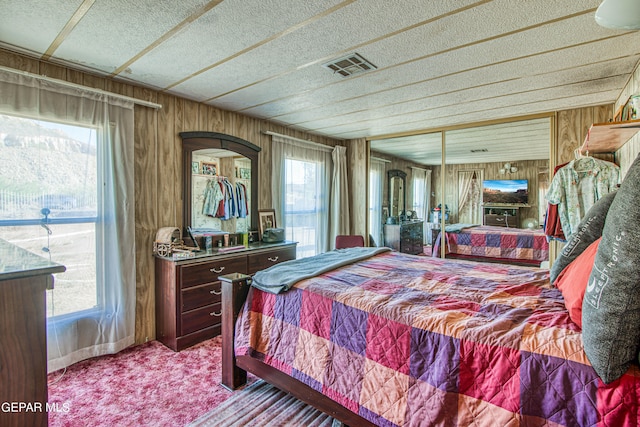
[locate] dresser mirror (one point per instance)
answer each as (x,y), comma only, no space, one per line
(397,193)
(213,162)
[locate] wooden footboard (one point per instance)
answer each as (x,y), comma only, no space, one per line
(235,288)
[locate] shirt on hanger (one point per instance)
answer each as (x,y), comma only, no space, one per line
(578,185)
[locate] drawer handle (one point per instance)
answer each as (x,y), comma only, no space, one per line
(216,270)
(274,259)
(213,313)
(214,292)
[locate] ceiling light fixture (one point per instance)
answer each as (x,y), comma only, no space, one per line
(507,169)
(619,14)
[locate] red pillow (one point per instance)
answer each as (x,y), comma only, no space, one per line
(572,281)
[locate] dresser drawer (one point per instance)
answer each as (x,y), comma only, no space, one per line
(208,272)
(501,220)
(264,260)
(199,296)
(201,318)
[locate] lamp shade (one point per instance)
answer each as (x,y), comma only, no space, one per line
(619,14)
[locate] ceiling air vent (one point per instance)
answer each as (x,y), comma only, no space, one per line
(349,65)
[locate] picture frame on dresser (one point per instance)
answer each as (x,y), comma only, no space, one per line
(266,219)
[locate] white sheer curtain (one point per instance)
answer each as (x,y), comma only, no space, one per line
(376,184)
(339,195)
(301,187)
(110,326)
(421,184)
(469,197)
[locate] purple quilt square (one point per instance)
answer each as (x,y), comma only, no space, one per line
(462,239)
(304,378)
(283,340)
(559,390)
(287,307)
(343,377)
(348,279)
(431,406)
(377,419)
(525,241)
(435,359)
(493,241)
(349,328)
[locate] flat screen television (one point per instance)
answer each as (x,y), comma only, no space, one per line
(505,191)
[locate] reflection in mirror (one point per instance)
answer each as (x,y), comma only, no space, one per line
(229,172)
(473,155)
(213,161)
(397,194)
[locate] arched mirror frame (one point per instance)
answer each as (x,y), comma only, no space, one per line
(396,173)
(193,141)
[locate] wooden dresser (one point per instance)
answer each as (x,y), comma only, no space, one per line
(188,301)
(405,237)
(24,278)
(502,216)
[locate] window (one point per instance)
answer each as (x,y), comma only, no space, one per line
(305,209)
(66,163)
(48,203)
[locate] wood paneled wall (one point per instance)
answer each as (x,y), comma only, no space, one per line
(158,164)
(628,152)
(572,128)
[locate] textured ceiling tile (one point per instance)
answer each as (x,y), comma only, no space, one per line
(114,31)
(19,19)
(231,27)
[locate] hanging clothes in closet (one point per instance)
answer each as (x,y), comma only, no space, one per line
(220,199)
(578,185)
(213,195)
(552,226)
(241,200)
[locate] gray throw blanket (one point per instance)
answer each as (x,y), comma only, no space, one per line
(283,276)
(456,228)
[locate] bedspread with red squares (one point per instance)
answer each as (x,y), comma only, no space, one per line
(407,340)
(499,242)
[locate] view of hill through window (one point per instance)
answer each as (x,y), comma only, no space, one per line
(49,204)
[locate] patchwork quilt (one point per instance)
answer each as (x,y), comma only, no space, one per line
(405,340)
(499,242)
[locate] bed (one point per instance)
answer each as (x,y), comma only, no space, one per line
(497,244)
(400,340)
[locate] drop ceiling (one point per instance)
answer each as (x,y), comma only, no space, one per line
(436,63)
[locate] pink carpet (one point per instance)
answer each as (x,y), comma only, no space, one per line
(146,385)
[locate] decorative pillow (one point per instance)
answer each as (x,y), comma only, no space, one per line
(572,281)
(589,230)
(611,306)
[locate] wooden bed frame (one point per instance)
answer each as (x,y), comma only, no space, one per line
(235,288)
